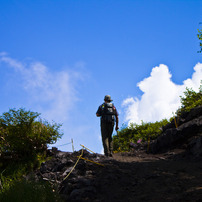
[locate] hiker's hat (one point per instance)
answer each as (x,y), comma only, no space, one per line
(108,98)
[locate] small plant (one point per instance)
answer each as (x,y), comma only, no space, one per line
(24,191)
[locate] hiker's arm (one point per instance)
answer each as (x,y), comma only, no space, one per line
(117,122)
(98,113)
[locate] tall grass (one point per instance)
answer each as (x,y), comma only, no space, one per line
(14,187)
(24,191)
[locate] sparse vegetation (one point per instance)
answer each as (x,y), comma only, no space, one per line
(24,191)
(199,35)
(191,99)
(149,131)
(135,132)
(23,143)
(25,135)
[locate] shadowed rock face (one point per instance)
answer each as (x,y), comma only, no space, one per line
(80,184)
(188,133)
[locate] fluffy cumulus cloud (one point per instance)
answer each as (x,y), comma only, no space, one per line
(160,96)
(51,92)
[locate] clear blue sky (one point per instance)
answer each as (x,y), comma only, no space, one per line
(60,58)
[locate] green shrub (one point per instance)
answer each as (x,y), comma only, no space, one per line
(135,132)
(199,35)
(25,191)
(23,134)
(191,99)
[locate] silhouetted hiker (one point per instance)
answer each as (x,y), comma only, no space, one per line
(107,111)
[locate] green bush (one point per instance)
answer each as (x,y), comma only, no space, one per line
(135,132)
(23,134)
(25,191)
(23,143)
(199,35)
(191,99)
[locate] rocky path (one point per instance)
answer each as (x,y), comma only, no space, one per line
(172,176)
(168,177)
(175,175)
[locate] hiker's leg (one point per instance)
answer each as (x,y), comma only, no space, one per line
(110,131)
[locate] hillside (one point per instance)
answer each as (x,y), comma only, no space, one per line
(172,171)
(137,176)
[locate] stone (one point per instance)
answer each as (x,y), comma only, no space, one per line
(195,146)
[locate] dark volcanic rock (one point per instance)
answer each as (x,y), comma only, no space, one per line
(190,125)
(135,176)
(73,179)
(195,146)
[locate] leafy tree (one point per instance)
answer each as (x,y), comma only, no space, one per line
(199,35)
(24,134)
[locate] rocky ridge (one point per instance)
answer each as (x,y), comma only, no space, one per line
(171,171)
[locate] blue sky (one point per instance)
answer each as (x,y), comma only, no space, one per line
(60,58)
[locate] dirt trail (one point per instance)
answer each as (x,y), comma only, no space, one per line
(172,176)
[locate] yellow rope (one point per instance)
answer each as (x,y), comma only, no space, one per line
(88,159)
(92,161)
(87,148)
(80,157)
(74,165)
(175,122)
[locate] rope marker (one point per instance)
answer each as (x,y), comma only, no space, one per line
(88,159)
(80,157)
(175,122)
(92,161)
(148,143)
(87,148)
(74,165)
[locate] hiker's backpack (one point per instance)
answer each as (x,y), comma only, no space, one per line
(108,112)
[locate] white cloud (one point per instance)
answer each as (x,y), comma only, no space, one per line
(53,93)
(160,95)
(194,82)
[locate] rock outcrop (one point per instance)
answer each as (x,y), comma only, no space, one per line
(185,132)
(79,185)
